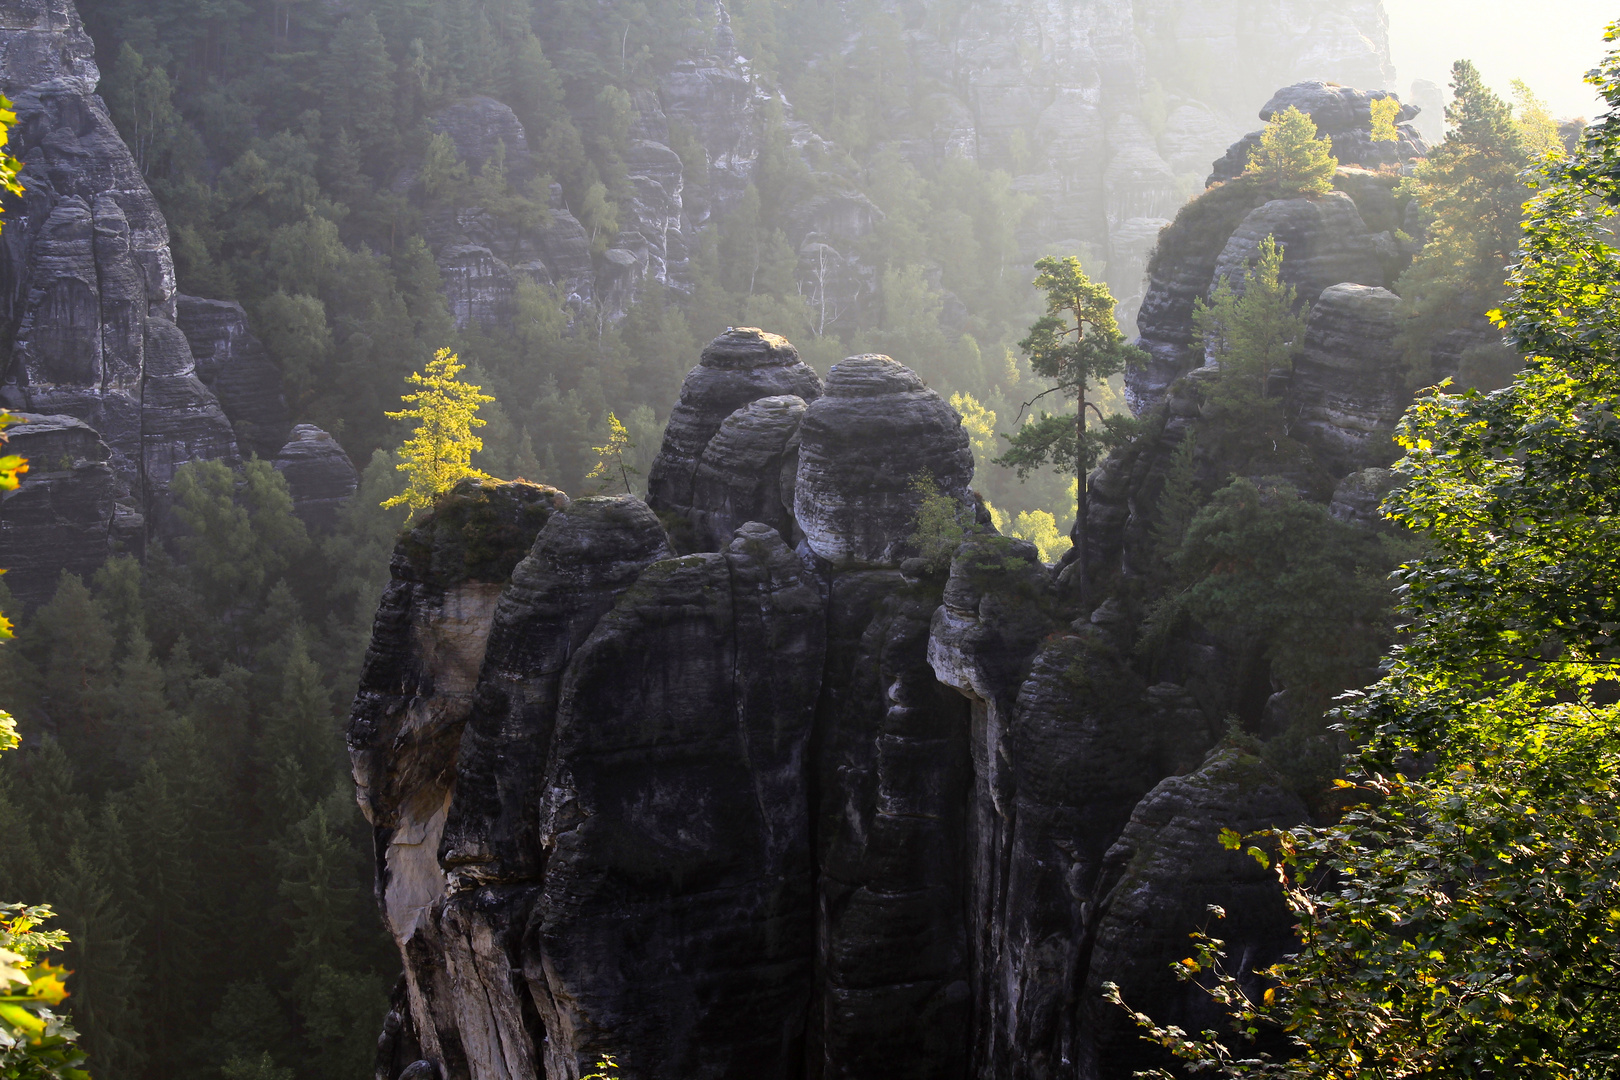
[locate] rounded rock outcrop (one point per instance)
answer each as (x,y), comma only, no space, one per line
(747,471)
(319,475)
(1350,385)
(862,447)
(1324,242)
(739,367)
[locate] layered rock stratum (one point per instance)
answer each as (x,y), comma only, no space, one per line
(107,364)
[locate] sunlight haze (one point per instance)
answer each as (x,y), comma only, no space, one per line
(1549,45)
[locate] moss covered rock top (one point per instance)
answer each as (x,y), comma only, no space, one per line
(477,532)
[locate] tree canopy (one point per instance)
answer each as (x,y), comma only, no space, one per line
(1463,920)
(440,449)
(1290,158)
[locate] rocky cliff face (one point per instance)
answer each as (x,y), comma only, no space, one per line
(65,514)
(87,293)
(789,804)
(1351,235)
(113,367)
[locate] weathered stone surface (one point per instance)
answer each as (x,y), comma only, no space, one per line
(759,813)
(481,129)
(416,690)
(1343,115)
(1180,273)
(61,516)
(1350,387)
(863,447)
(1157,881)
(738,368)
(1324,242)
(42,40)
(584,558)
(893,963)
(748,470)
(86,279)
(233,364)
(319,474)
(180,420)
(676,824)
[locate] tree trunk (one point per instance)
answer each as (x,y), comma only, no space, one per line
(1082,569)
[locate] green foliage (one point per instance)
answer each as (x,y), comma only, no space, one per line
(1252,334)
(1076,343)
(1471,187)
(438,453)
(1290,159)
(1464,922)
(941,525)
(241,532)
(611,457)
(35,1043)
(1261,564)
(1385,111)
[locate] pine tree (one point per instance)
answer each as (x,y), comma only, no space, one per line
(1252,334)
(1471,188)
(1290,158)
(1074,344)
(439,452)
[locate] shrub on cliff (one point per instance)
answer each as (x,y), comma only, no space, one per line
(1290,158)
(1252,334)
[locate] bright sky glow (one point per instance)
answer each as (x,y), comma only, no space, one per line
(1549,44)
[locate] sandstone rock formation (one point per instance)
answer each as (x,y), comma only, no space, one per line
(1351,385)
(62,516)
(737,370)
(1349,235)
(756,811)
(1343,115)
(319,475)
(864,447)
(233,364)
(87,292)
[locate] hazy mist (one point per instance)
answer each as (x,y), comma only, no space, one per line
(1549,44)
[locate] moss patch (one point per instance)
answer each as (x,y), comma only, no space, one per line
(479,531)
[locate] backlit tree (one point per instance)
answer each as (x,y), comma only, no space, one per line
(439,452)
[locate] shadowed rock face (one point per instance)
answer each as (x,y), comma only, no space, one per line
(763,813)
(319,475)
(1350,387)
(1172,837)
(62,515)
(1324,242)
(87,293)
(863,447)
(233,364)
(738,368)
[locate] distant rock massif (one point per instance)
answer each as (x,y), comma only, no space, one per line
(118,379)
(1108,113)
